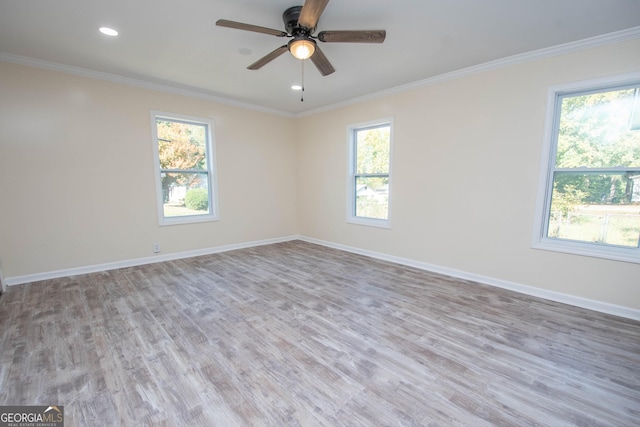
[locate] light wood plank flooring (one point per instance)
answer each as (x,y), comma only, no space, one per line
(295,334)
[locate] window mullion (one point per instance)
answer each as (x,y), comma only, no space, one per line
(203,171)
(371,175)
(583,170)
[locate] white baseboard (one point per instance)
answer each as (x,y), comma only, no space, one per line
(603,307)
(3,283)
(19,280)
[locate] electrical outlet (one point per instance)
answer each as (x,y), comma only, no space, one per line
(156,248)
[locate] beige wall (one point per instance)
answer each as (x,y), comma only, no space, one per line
(77,175)
(465,173)
(76,167)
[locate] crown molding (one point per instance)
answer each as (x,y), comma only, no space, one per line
(563,49)
(588,43)
(114,78)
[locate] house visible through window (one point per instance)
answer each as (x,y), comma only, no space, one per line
(592,203)
(184,169)
(370,164)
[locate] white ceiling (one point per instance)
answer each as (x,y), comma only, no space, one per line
(176,42)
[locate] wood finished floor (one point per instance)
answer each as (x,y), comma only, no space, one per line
(298,334)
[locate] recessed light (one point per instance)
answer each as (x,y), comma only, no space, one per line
(296,87)
(108,31)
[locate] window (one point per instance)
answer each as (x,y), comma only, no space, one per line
(185,180)
(369,173)
(591,202)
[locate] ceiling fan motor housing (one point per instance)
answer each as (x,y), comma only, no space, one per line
(290,18)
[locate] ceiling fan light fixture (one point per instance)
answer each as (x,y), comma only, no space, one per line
(302,47)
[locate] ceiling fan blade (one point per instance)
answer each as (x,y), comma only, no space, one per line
(322,63)
(249,27)
(311,12)
(268,58)
(372,36)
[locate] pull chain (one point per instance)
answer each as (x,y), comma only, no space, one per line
(302,91)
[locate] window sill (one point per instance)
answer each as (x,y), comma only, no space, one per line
(372,222)
(187,220)
(612,253)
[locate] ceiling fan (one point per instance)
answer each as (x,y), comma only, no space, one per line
(300,24)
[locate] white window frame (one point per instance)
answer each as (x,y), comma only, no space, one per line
(210,170)
(351,173)
(545,185)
